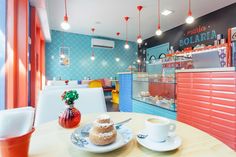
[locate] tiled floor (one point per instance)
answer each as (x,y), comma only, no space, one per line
(112,107)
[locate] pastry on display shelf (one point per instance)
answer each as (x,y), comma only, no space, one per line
(144,94)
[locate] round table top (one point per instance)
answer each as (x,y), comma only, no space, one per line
(51,140)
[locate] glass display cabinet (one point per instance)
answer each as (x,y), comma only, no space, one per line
(155,89)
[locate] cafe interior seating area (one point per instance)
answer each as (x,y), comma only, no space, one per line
(117,78)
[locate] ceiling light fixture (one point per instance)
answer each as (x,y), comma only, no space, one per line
(158,32)
(93,55)
(117,59)
(139,38)
(118,33)
(190,18)
(166,12)
(65,25)
(126,33)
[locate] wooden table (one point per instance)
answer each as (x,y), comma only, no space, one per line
(50,140)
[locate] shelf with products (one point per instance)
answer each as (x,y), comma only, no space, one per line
(183,59)
(177,62)
(165,104)
(224,53)
(198,50)
(156,81)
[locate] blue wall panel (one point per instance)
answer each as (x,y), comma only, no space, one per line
(2,52)
(80,51)
(141,107)
(125,104)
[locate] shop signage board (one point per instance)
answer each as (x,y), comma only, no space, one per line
(197,35)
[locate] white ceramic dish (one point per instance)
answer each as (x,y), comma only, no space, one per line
(124,136)
(173,142)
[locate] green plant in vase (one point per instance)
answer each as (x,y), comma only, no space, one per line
(71,116)
(70,97)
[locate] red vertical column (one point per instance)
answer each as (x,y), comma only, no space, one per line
(33,56)
(22,51)
(11,98)
(37,57)
(16,57)
(42,62)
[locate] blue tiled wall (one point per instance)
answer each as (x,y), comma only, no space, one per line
(2,52)
(80,51)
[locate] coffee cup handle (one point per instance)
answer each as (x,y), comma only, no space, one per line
(172,127)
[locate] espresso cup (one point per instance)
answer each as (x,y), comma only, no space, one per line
(158,128)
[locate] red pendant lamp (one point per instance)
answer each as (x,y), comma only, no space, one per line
(158,32)
(92,55)
(65,25)
(139,38)
(118,33)
(190,18)
(126,46)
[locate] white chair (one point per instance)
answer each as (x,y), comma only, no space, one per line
(50,105)
(16,122)
(61,82)
(65,87)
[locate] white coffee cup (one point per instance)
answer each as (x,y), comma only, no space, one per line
(158,128)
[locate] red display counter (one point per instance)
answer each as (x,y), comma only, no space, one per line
(206,99)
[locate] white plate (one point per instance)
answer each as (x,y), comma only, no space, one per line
(173,142)
(124,136)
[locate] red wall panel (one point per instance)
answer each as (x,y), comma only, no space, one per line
(37,57)
(207,101)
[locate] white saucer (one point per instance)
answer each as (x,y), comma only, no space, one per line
(173,142)
(124,136)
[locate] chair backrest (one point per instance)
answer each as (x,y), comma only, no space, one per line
(95,84)
(65,87)
(117,86)
(50,106)
(16,122)
(61,82)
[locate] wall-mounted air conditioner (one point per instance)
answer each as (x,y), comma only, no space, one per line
(102,43)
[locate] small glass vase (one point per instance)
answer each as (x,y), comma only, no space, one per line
(70,118)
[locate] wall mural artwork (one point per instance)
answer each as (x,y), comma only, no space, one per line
(64,56)
(197,35)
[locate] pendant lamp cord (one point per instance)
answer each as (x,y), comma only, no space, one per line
(159,16)
(65,9)
(189,7)
(139,23)
(126,31)
(93,47)
(63,36)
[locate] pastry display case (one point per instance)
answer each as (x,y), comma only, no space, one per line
(156,89)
